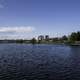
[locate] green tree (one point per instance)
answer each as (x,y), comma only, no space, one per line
(78,36)
(33,41)
(64,38)
(73,37)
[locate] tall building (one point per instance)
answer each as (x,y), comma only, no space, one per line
(47,37)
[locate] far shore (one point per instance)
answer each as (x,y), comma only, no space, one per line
(29,42)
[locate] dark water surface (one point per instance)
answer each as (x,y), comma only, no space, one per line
(39,62)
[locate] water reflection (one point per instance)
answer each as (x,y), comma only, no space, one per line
(74,62)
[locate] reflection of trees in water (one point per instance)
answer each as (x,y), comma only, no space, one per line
(75,54)
(75,50)
(74,62)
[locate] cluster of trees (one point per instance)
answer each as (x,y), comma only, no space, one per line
(75,36)
(60,39)
(33,41)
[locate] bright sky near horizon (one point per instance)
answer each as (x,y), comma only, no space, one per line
(30,18)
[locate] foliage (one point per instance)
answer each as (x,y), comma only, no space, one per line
(64,37)
(75,36)
(33,41)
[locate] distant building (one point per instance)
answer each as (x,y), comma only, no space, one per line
(47,37)
(41,37)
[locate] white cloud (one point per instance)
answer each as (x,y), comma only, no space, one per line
(20,32)
(22,29)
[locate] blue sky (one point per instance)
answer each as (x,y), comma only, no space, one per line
(30,18)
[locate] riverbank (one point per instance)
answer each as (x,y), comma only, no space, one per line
(36,42)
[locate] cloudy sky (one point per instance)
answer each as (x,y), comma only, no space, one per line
(30,18)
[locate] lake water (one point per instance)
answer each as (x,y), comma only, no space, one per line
(39,62)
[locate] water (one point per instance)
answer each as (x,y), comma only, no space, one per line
(39,62)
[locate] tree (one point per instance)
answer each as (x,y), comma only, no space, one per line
(73,37)
(33,41)
(78,36)
(64,38)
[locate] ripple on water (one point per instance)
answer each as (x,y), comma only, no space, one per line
(39,62)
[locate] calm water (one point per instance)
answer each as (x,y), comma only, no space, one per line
(39,62)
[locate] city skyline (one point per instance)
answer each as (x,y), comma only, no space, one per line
(30,18)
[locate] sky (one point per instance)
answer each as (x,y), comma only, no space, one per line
(30,18)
